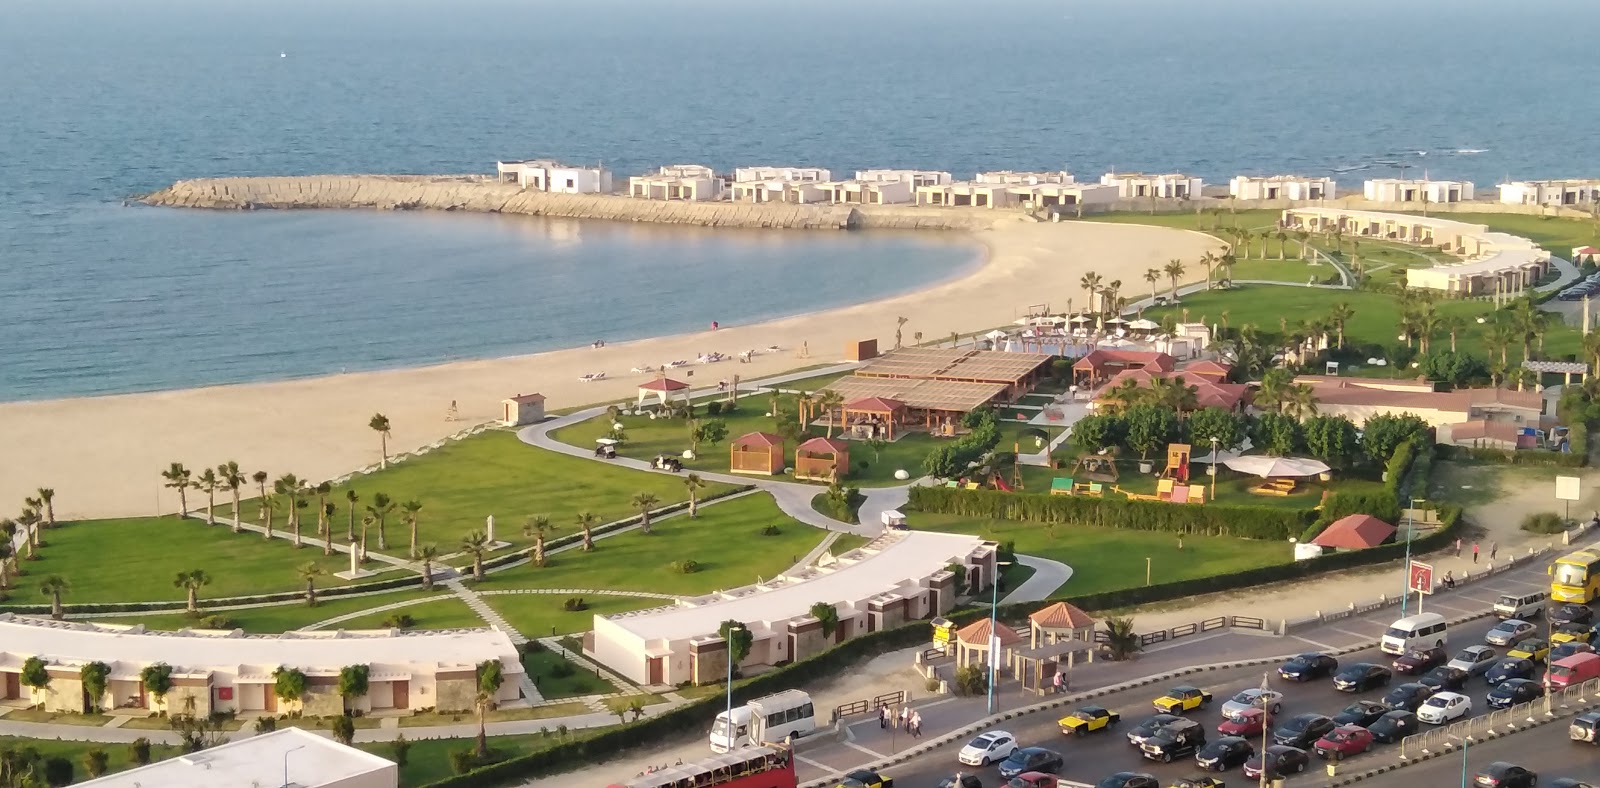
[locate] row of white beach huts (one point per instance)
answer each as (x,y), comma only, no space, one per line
(999,189)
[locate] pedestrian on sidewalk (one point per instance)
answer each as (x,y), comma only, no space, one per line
(905,717)
(916,724)
(883,718)
(1474,552)
(1057,682)
(1449,581)
(1458,547)
(1494,547)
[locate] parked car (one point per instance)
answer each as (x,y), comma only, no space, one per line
(1308,666)
(1445,677)
(1088,719)
(1408,696)
(1148,728)
(1394,726)
(1561,651)
(1031,759)
(1278,761)
(1180,699)
(1178,740)
(1420,660)
(1505,775)
(1585,728)
(1129,780)
(1443,707)
(865,778)
(1513,691)
(987,748)
(1303,730)
(1509,668)
(1362,713)
(1228,752)
(1343,742)
(1509,631)
(1199,782)
(1254,698)
(1361,677)
(1572,632)
(1249,722)
(1535,649)
(1572,612)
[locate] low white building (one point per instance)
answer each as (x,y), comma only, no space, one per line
(1013,178)
(1138,185)
(1416,190)
(780,191)
(785,174)
(858,192)
(976,194)
(545,175)
(285,757)
(1578,193)
(913,177)
(694,182)
(1280,187)
(999,194)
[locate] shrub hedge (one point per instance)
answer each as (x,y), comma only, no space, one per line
(1532,457)
(1247,522)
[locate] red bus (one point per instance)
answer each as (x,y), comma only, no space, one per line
(764,766)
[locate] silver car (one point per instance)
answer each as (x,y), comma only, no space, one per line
(1509,631)
(1253,698)
(1475,660)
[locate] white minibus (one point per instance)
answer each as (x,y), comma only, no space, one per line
(771,719)
(1411,633)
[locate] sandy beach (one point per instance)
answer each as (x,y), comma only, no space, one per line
(103,455)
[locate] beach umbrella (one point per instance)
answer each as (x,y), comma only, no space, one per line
(1079,319)
(1116,321)
(1268,467)
(996,334)
(1144,324)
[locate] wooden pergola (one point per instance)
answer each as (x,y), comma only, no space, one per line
(757,452)
(822,459)
(876,412)
(973,641)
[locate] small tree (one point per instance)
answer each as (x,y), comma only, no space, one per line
(400,750)
(343,729)
(877,445)
(476,543)
(57,771)
(139,751)
(427,553)
(738,638)
(1121,640)
(1332,439)
(309,572)
(693,484)
(95,762)
(94,677)
(54,586)
(157,680)
(1150,426)
(191,582)
(586,522)
(1093,433)
(1278,434)
(489,681)
(289,684)
(35,676)
(379,423)
(1227,427)
(353,683)
(642,503)
(828,615)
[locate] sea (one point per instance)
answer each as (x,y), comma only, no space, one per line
(103,100)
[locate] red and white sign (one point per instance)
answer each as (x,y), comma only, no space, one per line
(1420,578)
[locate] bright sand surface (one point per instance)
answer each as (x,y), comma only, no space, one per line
(103,455)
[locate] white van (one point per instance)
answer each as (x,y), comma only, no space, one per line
(771,719)
(1526,606)
(1412,633)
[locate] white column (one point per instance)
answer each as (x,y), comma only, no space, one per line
(355,559)
(489,523)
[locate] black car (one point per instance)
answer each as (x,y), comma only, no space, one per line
(1509,668)
(1308,666)
(1150,726)
(1178,740)
(1513,691)
(1570,782)
(1129,780)
(1505,775)
(959,780)
(1361,677)
(1394,726)
(1572,613)
(1280,760)
(1420,660)
(1303,730)
(1030,759)
(1228,752)
(1445,677)
(1362,712)
(1409,696)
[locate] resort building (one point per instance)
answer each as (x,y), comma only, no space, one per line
(544,175)
(1138,185)
(856,192)
(284,757)
(1012,178)
(931,388)
(995,194)
(1210,391)
(914,177)
(1102,364)
(1416,190)
(780,184)
(786,174)
(693,182)
(1492,262)
(975,194)
(1359,399)
(1280,187)
(1567,193)
(229,671)
(900,576)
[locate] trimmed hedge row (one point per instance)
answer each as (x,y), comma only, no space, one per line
(1247,522)
(1532,457)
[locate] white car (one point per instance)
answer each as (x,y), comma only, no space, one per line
(1253,698)
(1444,707)
(991,747)
(1509,631)
(1475,660)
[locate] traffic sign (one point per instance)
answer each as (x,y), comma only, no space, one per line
(1420,578)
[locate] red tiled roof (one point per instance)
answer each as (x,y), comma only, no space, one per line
(527,398)
(824,446)
(1355,532)
(1208,393)
(663,384)
(875,405)
(1459,401)
(1209,368)
(1586,250)
(1061,616)
(758,439)
(1483,429)
(978,632)
(1102,357)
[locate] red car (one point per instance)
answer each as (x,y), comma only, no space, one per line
(1247,723)
(1344,741)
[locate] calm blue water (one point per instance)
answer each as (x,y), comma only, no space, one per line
(104,99)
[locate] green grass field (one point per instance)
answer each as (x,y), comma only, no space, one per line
(118,755)
(541,615)
(135,560)
(446,613)
(543,667)
(271,619)
(1558,236)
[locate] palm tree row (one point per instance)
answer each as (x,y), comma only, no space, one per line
(38,513)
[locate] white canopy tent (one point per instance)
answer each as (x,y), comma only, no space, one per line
(1269,467)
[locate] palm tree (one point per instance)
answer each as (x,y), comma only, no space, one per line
(7,554)
(351,499)
(477,543)
(366,523)
(1428,323)
(1126,394)
(324,512)
(1342,313)
(379,423)
(290,486)
(643,503)
(411,508)
(29,520)
(208,482)
(428,553)
(899,323)
(586,521)
(309,572)
(191,582)
(1591,347)
(1228,262)
(1303,238)
(178,478)
(260,478)
(1152,275)
(1283,244)
(54,586)
(231,478)
(380,508)
(538,526)
(1454,324)
(830,401)
(1300,401)
(269,505)
(693,483)
(1174,271)
(325,527)
(1112,290)
(47,497)
(1120,638)
(1090,283)
(1175,394)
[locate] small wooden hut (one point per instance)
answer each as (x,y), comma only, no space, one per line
(822,459)
(757,452)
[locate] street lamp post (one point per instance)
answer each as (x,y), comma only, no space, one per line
(994,628)
(1405,596)
(286,763)
(1147,570)
(1214,442)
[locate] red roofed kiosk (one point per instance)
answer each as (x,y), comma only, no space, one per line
(822,459)
(664,390)
(874,414)
(1354,532)
(757,452)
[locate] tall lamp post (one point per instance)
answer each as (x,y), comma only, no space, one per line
(1264,726)
(1214,458)
(1405,596)
(286,764)
(994,628)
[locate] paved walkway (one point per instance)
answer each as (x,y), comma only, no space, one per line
(1047,576)
(1569,274)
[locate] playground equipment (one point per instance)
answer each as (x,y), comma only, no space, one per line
(1168,491)
(1177,463)
(1097,467)
(1279,487)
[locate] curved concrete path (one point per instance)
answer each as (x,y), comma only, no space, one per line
(1047,576)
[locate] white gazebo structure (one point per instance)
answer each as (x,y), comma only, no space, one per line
(664,390)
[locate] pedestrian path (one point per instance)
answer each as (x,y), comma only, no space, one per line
(489,614)
(1047,576)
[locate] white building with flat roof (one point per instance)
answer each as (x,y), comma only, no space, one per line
(304,759)
(913,177)
(1000,194)
(1014,178)
(900,576)
(1280,187)
(785,174)
(1138,185)
(229,671)
(695,182)
(545,175)
(1416,190)
(1576,193)
(798,192)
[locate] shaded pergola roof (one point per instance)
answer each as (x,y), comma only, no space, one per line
(663,384)
(764,439)
(942,395)
(978,632)
(824,446)
(1061,616)
(1354,532)
(875,405)
(986,366)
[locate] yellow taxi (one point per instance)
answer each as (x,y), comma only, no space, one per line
(1181,699)
(865,778)
(1536,649)
(1088,719)
(1573,633)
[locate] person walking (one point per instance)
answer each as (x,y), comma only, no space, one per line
(1458,547)
(905,717)
(883,718)
(916,724)
(1474,552)
(1494,547)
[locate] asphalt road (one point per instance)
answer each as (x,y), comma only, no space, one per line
(1095,756)
(1546,750)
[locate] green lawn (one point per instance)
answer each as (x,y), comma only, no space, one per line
(1107,559)
(542,667)
(135,560)
(428,760)
(493,473)
(446,613)
(273,619)
(725,540)
(542,615)
(1558,236)
(118,754)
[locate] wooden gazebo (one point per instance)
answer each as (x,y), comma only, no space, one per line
(874,414)
(757,452)
(973,640)
(822,459)
(1058,622)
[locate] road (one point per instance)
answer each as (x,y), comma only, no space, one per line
(1546,750)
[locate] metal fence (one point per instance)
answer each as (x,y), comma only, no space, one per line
(853,708)
(1501,721)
